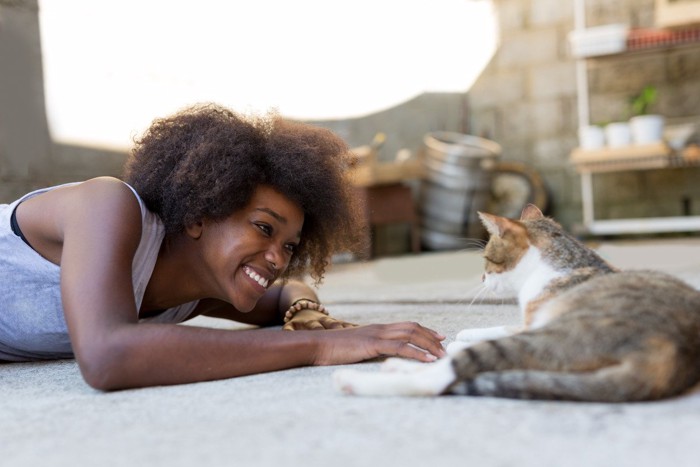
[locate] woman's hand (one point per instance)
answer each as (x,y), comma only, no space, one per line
(352,345)
(309,319)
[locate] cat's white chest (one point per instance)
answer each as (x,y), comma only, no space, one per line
(529,278)
(539,274)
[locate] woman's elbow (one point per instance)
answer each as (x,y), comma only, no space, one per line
(103,366)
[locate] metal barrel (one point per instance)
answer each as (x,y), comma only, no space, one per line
(456,184)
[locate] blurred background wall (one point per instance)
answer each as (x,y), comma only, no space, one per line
(525,100)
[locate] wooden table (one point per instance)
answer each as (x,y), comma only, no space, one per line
(387,198)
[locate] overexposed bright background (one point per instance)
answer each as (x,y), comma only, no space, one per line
(111,67)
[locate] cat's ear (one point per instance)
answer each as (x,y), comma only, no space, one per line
(495,225)
(531,213)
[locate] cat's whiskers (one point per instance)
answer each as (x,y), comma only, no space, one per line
(473,244)
(474,290)
(479,294)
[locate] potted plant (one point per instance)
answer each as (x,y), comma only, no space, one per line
(618,134)
(591,136)
(645,127)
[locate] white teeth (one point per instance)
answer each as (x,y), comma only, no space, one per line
(256,277)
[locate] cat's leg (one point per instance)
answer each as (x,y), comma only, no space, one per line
(430,379)
(616,383)
(556,363)
(522,350)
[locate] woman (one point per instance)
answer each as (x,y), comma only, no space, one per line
(215,213)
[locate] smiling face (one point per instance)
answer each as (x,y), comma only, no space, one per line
(247,251)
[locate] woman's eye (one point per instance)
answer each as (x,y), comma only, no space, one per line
(291,248)
(266,229)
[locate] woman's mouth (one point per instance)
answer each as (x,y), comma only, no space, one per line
(256,277)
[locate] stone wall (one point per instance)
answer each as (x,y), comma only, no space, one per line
(526,100)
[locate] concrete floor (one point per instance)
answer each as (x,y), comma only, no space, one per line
(50,417)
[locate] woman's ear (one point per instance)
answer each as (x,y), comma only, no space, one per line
(195,230)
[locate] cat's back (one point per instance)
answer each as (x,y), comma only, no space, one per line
(650,299)
(649,319)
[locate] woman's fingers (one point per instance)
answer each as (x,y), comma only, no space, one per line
(413,335)
(413,352)
(352,345)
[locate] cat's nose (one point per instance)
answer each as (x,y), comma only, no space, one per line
(483,277)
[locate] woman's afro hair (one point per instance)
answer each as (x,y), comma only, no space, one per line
(206,162)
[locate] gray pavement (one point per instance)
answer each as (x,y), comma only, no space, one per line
(50,417)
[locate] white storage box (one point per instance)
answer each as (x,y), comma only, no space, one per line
(598,40)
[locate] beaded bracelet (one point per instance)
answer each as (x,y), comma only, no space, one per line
(303,304)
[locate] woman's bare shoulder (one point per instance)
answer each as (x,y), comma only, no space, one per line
(105,202)
(105,189)
(103,206)
(95,191)
(101,195)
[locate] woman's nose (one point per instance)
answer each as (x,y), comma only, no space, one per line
(274,256)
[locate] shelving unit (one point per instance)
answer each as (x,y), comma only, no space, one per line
(630,158)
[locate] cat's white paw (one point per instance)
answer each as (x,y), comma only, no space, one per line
(456,347)
(431,380)
(475,335)
(401,365)
(365,383)
(345,381)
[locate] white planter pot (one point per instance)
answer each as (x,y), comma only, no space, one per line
(618,134)
(591,137)
(647,129)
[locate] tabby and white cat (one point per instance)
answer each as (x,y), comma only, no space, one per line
(590,332)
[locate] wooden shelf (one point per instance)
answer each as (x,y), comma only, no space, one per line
(646,157)
(637,157)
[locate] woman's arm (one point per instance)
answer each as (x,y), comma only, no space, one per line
(271,308)
(100,223)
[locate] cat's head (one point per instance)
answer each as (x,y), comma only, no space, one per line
(517,248)
(508,243)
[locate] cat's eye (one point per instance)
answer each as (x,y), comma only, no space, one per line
(493,261)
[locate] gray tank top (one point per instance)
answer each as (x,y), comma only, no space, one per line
(32,325)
